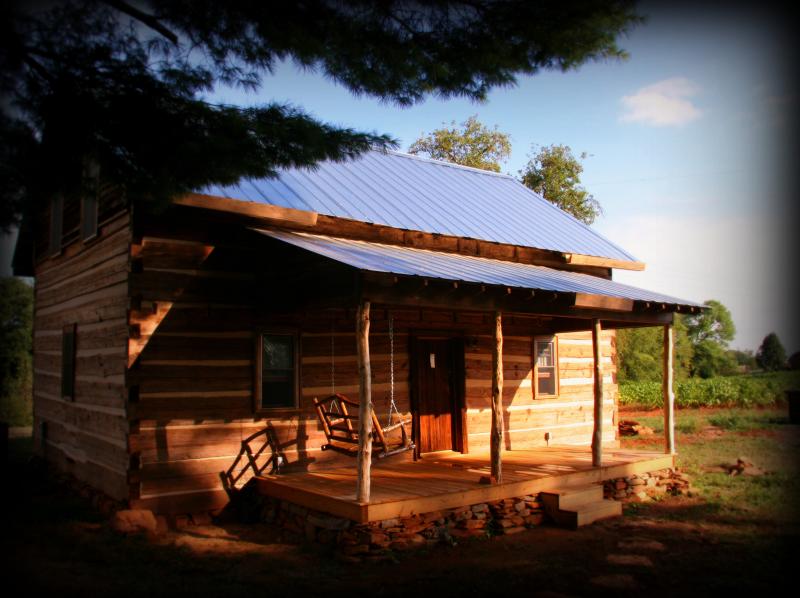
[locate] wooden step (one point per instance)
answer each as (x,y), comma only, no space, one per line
(570,498)
(575,507)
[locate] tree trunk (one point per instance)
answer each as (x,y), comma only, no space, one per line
(497,400)
(364,404)
(597,435)
(669,394)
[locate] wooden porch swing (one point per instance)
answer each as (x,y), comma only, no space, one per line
(340,422)
(339,418)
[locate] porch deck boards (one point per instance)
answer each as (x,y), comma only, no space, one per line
(447,480)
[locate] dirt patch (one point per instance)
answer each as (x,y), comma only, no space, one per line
(694,546)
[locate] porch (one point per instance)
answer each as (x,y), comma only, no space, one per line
(447,480)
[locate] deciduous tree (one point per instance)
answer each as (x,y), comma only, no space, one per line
(16,320)
(470,144)
(640,353)
(555,173)
(710,331)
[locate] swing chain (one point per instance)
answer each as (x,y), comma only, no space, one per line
(392,404)
(334,405)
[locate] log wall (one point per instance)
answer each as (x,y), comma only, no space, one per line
(86,286)
(198,306)
(566,419)
(169,326)
(192,352)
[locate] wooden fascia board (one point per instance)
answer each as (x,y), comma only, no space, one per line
(248,208)
(577,259)
(350,228)
(389,289)
(603,302)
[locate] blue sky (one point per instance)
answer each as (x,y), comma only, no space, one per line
(687,140)
(688,144)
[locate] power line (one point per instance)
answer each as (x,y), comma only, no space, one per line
(669,178)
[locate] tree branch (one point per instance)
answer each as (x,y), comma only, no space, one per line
(37,67)
(143,17)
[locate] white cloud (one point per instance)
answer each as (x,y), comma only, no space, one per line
(662,104)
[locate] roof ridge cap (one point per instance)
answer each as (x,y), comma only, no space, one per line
(445,163)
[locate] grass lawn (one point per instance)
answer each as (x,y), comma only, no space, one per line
(708,440)
(738,535)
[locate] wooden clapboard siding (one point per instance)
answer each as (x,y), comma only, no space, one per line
(86,285)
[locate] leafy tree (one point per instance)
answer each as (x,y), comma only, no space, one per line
(473,144)
(712,324)
(771,355)
(16,318)
(712,359)
(555,173)
(640,352)
(794,361)
(710,331)
(746,360)
(124,84)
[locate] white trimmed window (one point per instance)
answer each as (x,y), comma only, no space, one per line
(545,367)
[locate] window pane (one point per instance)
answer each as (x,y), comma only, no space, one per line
(546,381)
(278,352)
(277,370)
(544,354)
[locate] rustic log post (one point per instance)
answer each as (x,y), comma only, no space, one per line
(668,392)
(364,403)
(597,435)
(497,400)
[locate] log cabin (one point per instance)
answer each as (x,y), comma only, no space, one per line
(277,328)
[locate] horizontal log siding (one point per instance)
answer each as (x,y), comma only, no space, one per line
(192,352)
(568,419)
(192,366)
(86,285)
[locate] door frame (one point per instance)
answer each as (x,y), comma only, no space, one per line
(457,345)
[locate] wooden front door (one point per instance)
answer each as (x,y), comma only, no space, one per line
(435,396)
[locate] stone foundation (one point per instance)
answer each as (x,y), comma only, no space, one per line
(646,486)
(377,540)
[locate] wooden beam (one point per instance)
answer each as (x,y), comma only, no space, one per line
(365,404)
(603,302)
(248,208)
(597,435)
(669,394)
(497,401)
(381,288)
(577,259)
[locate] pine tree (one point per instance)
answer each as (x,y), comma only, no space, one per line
(771,356)
(124,84)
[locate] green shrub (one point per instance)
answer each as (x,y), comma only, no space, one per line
(758,390)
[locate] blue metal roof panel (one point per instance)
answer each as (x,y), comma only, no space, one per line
(414,193)
(408,261)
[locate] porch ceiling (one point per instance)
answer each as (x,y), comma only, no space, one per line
(424,263)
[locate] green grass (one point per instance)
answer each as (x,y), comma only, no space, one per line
(710,439)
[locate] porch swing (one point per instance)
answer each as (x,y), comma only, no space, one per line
(339,416)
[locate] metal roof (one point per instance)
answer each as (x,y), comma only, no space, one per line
(408,261)
(413,193)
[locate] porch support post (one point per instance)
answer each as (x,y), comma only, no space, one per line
(497,400)
(667,389)
(597,435)
(364,403)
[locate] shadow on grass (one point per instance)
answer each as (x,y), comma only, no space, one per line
(56,542)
